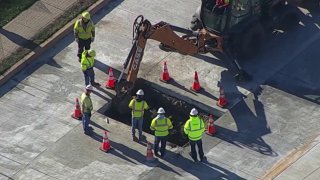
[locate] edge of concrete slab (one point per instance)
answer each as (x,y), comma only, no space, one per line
(32,56)
(291,158)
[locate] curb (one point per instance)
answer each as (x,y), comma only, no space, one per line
(32,56)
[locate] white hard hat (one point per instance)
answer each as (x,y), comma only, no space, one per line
(89,87)
(193,112)
(140,92)
(161,111)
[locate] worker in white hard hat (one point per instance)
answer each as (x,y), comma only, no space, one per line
(84,32)
(161,126)
(86,108)
(87,63)
(194,129)
(138,105)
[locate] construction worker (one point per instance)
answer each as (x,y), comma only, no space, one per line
(194,128)
(87,63)
(84,32)
(161,126)
(86,108)
(138,105)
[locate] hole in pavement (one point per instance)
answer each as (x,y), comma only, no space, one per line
(176,109)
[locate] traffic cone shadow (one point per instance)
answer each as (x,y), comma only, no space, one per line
(77,111)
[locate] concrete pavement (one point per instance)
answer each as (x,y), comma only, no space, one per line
(39,140)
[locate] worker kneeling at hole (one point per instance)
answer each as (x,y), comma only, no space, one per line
(194,128)
(161,125)
(138,105)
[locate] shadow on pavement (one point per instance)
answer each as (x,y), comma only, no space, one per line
(125,152)
(251,122)
(200,170)
(20,40)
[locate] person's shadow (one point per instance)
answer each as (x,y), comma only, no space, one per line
(19,40)
(201,170)
(250,119)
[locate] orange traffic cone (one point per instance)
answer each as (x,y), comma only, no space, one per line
(77,111)
(165,77)
(222,101)
(111,81)
(149,157)
(195,85)
(211,129)
(105,146)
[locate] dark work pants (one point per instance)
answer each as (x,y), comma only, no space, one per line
(157,140)
(193,149)
(83,44)
(88,76)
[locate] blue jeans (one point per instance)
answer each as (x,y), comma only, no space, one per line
(88,76)
(85,122)
(137,124)
(193,149)
(157,140)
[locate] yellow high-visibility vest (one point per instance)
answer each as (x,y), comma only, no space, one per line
(83,33)
(138,108)
(86,101)
(86,62)
(161,126)
(194,128)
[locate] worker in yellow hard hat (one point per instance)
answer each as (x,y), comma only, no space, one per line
(87,63)
(84,32)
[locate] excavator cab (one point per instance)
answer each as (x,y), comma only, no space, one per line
(221,15)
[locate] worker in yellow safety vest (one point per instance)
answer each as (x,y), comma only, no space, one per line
(160,125)
(87,63)
(86,108)
(138,106)
(84,32)
(194,129)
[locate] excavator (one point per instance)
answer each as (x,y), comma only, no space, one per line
(236,31)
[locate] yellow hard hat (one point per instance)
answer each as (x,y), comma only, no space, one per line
(86,15)
(92,53)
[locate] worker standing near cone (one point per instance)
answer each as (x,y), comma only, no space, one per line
(160,125)
(138,105)
(87,63)
(86,107)
(84,32)
(195,128)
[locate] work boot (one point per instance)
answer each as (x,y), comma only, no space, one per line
(134,138)
(95,84)
(162,155)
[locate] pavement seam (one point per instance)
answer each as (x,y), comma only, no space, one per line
(43,173)
(311,173)
(11,159)
(292,157)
